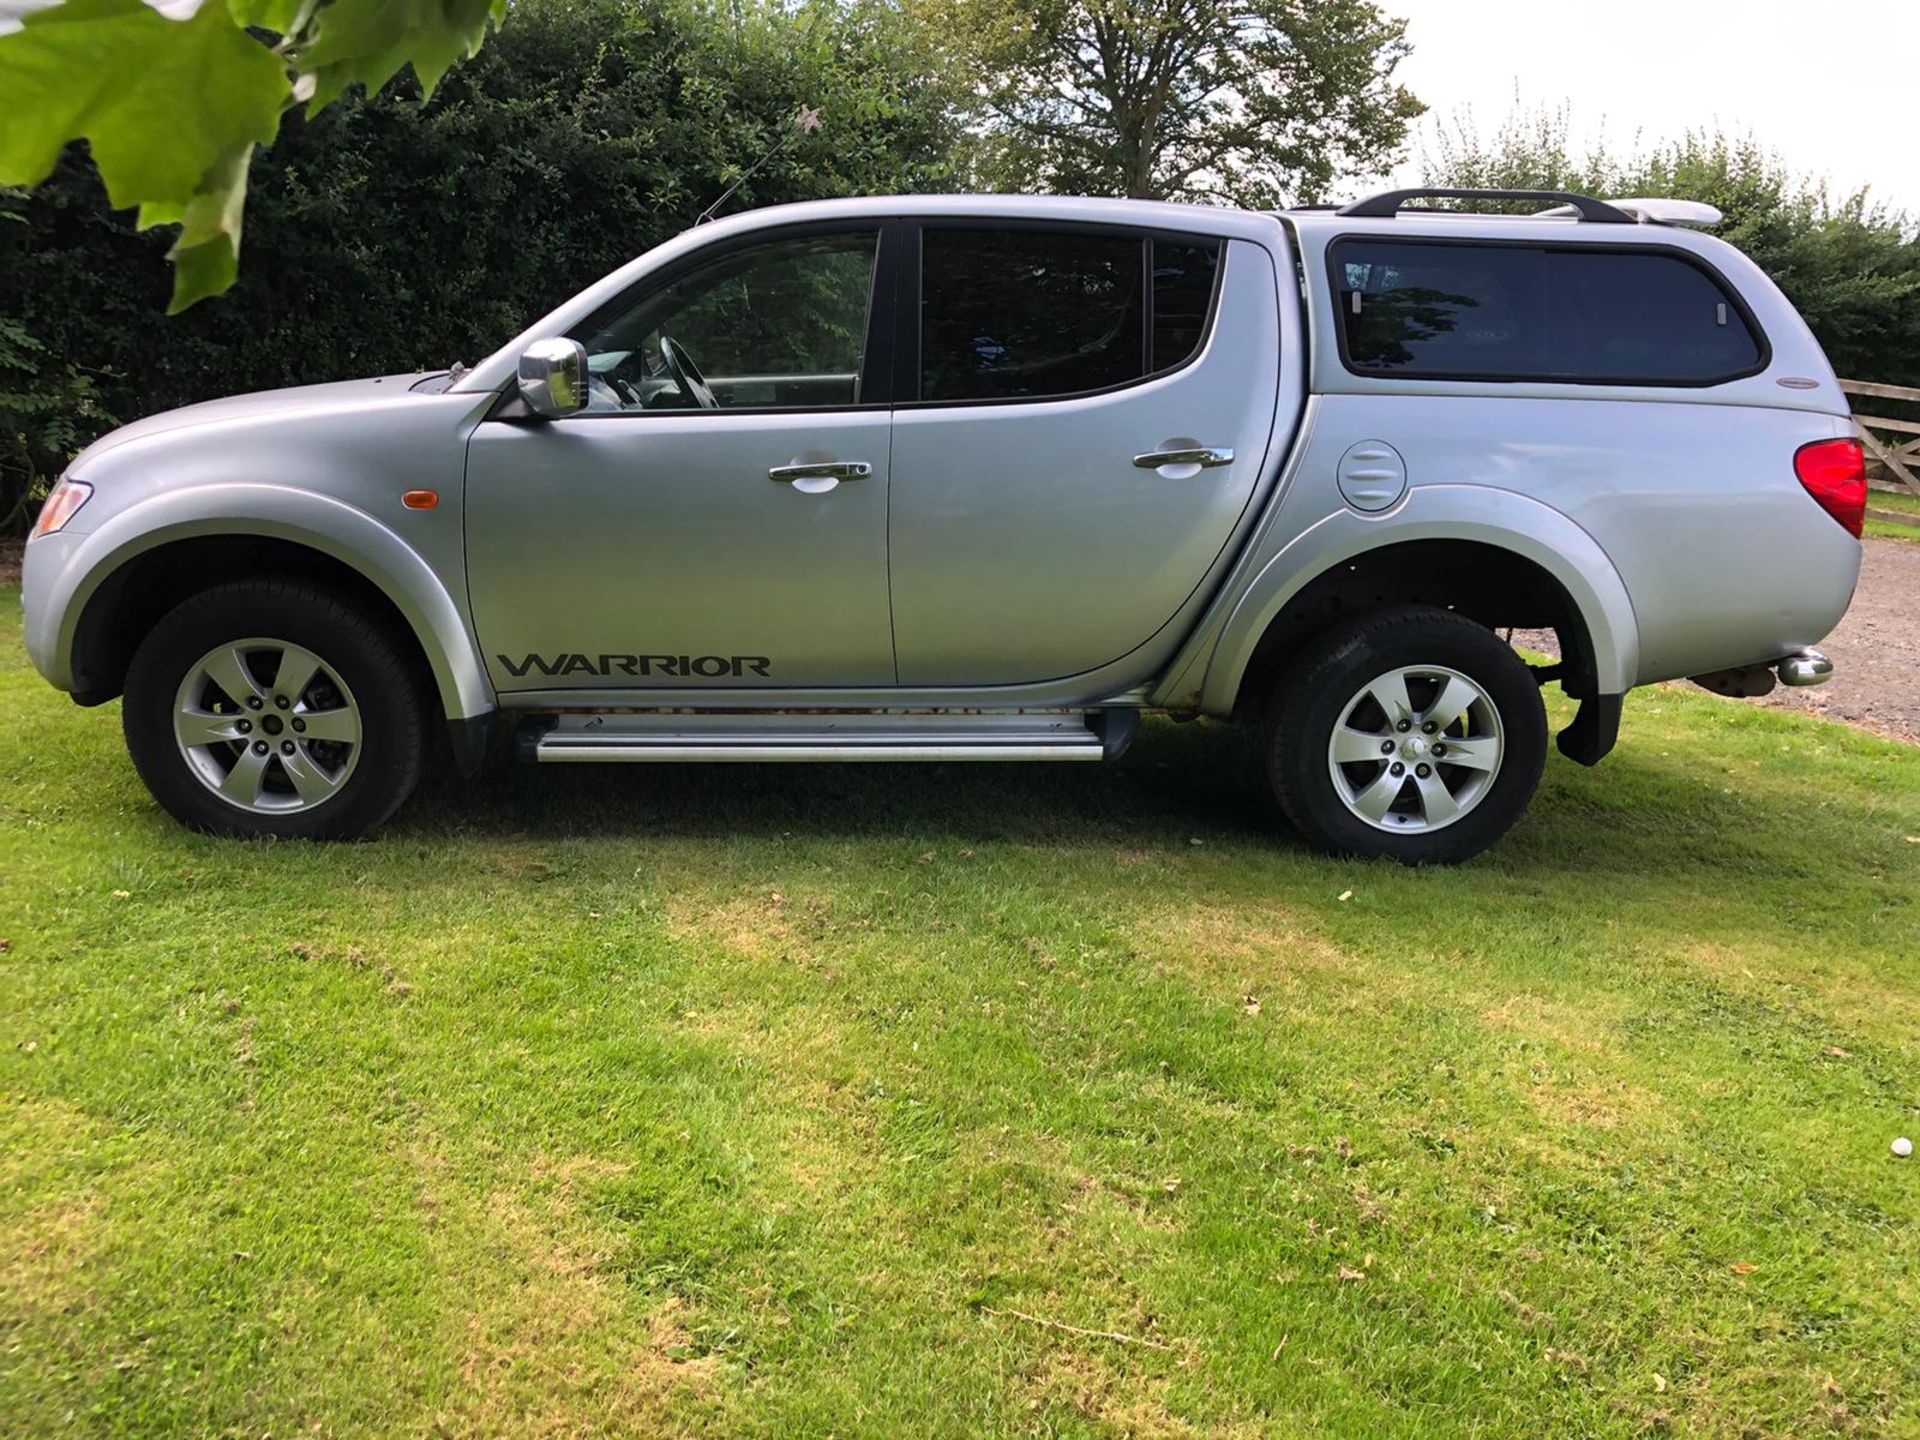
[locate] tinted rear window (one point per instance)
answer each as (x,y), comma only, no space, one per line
(1522,312)
(1028,314)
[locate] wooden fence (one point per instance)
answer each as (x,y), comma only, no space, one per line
(1894,444)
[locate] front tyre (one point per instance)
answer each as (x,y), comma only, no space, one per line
(1411,733)
(269,707)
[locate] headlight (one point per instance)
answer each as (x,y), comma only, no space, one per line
(63,503)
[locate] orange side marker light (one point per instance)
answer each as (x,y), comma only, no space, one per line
(421,499)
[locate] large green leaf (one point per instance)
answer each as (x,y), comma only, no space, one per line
(368,42)
(279,16)
(172,110)
(159,101)
(206,256)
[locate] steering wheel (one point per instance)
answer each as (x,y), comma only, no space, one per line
(687,375)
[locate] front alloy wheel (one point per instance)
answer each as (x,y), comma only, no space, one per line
(267,726)
(273,707)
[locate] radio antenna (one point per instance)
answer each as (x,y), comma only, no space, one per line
(806,120)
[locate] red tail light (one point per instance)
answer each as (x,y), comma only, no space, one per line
(1835,474)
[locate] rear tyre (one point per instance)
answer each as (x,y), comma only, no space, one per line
(1410,733)
(270,707)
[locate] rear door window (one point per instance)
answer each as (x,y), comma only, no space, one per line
(1030,314)
(1449,310)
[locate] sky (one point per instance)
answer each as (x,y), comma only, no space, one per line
(1833,85)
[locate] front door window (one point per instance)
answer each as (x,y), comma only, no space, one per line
(778,325)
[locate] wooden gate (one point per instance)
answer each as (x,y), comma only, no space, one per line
(1895,444)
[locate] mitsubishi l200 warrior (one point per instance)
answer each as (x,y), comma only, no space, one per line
(988,478)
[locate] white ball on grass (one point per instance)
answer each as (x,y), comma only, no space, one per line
(1903,1147)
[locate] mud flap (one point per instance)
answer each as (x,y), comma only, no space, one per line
(1116,725)
(470,739)
(1595,728)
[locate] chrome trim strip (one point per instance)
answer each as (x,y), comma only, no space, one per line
(574,751)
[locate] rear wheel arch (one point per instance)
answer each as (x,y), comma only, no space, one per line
(1496,586)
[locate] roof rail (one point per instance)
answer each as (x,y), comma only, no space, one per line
(1387,205)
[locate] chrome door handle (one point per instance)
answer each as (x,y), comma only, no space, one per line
(1206,457)
(822,470)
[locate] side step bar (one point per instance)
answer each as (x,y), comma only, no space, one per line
(665,738)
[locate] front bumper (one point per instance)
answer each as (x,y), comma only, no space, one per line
(42,583)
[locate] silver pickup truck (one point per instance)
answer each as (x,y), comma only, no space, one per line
(986,478)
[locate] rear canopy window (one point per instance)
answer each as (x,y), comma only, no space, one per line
(1449,310)
(1183,275)
(1030,314)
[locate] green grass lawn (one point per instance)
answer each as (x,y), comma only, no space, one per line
(1898,502)
(804,1101)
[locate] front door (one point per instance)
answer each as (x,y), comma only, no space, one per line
(1090,415)
(717,516)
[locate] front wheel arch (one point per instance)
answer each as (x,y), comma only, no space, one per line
(141,588)
(363,549)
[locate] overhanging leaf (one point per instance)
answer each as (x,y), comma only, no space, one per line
(174,96)
(278,16)
(160,101)
(206,256)
(368,42)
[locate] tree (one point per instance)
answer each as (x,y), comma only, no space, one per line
(1851,266)
(174,105)
(1256,103)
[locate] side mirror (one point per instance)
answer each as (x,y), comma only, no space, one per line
(553,377)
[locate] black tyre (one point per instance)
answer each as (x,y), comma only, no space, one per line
(1410,733)
(273,707)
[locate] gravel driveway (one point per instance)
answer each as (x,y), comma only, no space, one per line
(1876,650)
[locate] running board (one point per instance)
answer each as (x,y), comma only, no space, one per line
(665,738)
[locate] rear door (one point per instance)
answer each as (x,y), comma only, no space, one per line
(1083,418)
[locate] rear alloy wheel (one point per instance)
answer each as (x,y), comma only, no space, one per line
(1418,748)
(1411,733)
(273,708)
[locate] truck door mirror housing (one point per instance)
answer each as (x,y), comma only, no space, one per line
(553,377)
